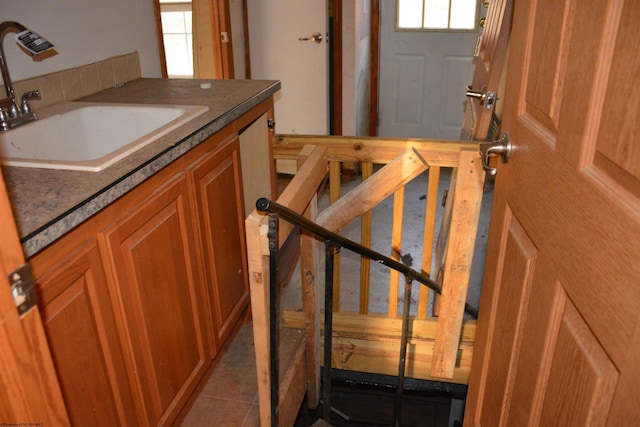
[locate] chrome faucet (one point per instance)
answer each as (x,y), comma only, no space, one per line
(14,113)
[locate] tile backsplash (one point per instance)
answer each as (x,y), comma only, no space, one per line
(75,83)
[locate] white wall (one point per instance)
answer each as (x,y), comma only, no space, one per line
(356,63)
(83,32)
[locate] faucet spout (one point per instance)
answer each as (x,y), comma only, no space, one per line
(5,28)
(12,112)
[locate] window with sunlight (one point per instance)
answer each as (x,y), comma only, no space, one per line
(178,38)
(438,15)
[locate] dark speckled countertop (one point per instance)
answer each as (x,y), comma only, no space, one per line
(47,203)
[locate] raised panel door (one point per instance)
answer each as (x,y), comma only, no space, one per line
(561,346)
(81,332)
(153,258)
(217,184)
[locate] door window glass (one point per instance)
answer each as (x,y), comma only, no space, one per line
(438,15)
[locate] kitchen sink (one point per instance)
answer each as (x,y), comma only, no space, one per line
(90,136)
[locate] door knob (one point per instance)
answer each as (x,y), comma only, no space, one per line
(316,38)
(487,98)
(501,147)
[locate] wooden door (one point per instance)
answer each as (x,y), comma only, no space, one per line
(29,389)
(217,183)
(490,56)
(156,277)
(84,342)
(559,329)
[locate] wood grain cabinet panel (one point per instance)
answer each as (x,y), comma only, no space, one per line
(216,182)
(153,258)
(137,300)
(80,327)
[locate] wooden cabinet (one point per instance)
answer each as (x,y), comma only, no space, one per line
(152,253)
(217,185)
(81,331)
(138,300)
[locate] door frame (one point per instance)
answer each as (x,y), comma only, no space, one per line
(335,67)
(375,67)
(222,54)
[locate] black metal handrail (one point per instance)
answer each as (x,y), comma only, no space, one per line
(333,242)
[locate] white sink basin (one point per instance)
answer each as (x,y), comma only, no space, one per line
(90,136)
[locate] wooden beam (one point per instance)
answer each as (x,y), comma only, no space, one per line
(303,187)
(396,250)
(306,182)
(379,325)
(334,196)
(374,190)
(309,268)
(371,343)
(365,240)
(443,235)
(362,354)
(459,255)
(376,150)
(296,196)
(429,233)
(258,265)
(292,388)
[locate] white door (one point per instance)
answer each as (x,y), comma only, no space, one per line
(275,27)
(423,75)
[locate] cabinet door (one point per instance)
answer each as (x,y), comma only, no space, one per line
(153,262)
(217,185)
(81,331)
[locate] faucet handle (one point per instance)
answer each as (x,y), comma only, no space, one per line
(26,108)
(4,111)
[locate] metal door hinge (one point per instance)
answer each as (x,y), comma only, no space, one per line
(224,37)
(23,288)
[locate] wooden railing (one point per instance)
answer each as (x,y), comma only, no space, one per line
(440,347)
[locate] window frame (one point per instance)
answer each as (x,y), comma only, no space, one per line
(175,6)
(480,8)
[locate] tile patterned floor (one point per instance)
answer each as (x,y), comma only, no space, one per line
(230,398)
